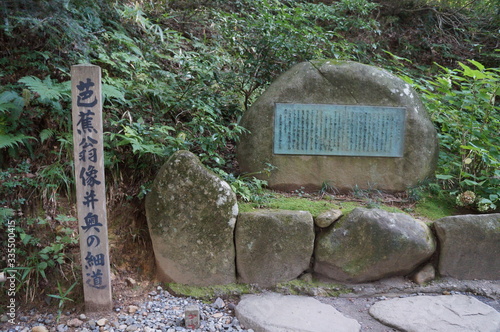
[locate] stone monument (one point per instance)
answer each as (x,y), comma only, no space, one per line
(341,123)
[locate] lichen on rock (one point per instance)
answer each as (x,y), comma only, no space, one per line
(370,244)
(191,216)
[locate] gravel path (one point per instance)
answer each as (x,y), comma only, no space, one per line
(160,311)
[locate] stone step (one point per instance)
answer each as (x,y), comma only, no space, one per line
(272,312)
(444,313)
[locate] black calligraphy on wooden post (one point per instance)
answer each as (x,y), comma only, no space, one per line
(90,189)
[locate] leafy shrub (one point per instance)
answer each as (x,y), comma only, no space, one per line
(265,37)
(464,107)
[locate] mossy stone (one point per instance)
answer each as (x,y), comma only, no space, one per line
(191,216)
(469,246)
(370,244)
(273,246)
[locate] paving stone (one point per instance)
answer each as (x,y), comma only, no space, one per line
(455,313)
(271,312)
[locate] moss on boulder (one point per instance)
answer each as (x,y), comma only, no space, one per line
(370,244)
(191,216)
(469,246)
(273,246)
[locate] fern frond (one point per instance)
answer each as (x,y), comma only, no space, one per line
(46,88)
(110,91)
(10,100)
(46,134)
(10,141)
(6,212)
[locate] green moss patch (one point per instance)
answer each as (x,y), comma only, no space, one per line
(314,205)
(311,288)
(210,292)
(435,208)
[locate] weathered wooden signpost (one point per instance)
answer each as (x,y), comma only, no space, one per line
(90,189)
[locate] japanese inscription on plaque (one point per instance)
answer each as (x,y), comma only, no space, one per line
(321,129)
(90,190)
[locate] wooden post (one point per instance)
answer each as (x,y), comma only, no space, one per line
(90,189)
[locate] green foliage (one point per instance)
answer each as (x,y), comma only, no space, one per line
(15,181)
(39,252)
(264,37)
(464,106)
(62,297)
(12,141)
(247,187)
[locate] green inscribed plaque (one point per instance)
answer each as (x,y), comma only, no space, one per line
(340,130)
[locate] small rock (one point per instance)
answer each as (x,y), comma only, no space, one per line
(75,322)
(4,319)
(219,303)
(306,277)
(318,291)
(131,282)
(132,328)
(132,309)
(426,274)
(327,218)
(91,324)
(61,328)
(39,328)
(82,317)
(102,322)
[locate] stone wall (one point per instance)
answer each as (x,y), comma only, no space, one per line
(200,239)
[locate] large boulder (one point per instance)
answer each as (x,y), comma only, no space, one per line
(469,246)
(273,246)
(340,83)
(370,244)
(191,216)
